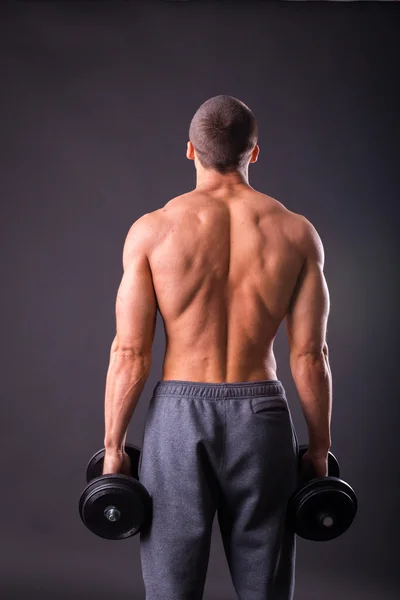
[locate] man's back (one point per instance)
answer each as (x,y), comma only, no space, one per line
(225,264)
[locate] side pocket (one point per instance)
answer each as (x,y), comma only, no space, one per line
(140,461)
(272,405)
(295,438)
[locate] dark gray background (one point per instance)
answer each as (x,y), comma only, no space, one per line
(96,101)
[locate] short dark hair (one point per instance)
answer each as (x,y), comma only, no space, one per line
(223,132)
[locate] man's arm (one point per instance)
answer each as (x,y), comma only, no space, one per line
(306,323)
(130,357)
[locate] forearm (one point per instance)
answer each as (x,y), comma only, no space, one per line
(313,379)
(126,378)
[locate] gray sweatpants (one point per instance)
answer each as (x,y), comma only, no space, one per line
(225,448)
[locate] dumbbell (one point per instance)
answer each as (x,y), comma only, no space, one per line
(322,508)
(114,506)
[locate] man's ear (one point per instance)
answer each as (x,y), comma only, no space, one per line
(190,151)
(255,154)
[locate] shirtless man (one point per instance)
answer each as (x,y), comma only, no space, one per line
(224,264)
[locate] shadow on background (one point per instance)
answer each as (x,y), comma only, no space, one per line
(36,589)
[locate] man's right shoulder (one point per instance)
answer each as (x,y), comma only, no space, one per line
(308,237)
(302,234)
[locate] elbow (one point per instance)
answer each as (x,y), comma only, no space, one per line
(131,357)
(311,358)
(312,354)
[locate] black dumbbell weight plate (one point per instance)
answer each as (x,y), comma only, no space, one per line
(125,497)
(323,509)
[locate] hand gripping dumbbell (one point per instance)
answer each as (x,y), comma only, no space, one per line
(322,508)
(114,506)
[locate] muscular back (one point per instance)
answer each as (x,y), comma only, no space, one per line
(225,268)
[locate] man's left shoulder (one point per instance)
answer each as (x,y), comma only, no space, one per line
(177,202)
(159,220)
(146,230)
(146,223)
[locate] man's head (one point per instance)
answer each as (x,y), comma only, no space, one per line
(223,135)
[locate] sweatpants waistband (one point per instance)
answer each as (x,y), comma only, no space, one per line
(239,389)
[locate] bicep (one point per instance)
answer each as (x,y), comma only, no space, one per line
(307,317)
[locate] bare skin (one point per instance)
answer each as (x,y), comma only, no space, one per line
(228,264)
(224,267)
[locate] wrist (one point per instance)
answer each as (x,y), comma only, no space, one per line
(318,448)
(114,447)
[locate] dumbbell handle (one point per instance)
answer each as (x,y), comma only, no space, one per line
(95,467)
(112,514)
(326,519)
(333,465)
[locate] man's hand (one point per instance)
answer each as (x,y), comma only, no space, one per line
(314,464)
(117,461)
